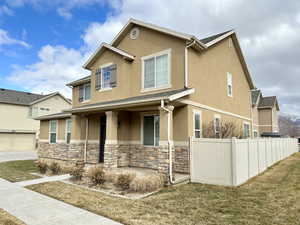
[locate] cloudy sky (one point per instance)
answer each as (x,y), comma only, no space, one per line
(43,43)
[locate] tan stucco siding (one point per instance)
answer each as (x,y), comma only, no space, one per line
(180,123)
(275,120)
(265,120)
(255,119)
(16,117)
(129,74)
(44,130)
(208,75)
(52,105)
(61,130)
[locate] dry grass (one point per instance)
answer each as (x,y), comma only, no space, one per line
(272,198)
(7,219)
(15,171)
(147,183)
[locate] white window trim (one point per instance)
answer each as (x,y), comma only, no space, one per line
(101,67)
(194,128)
(55,131)
(66,133)
(142,129)
(86,100)
(169,85)
(229,74)
(247,123)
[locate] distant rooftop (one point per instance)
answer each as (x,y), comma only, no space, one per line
(18,97)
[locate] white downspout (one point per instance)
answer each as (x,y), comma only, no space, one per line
(169,141)
(186,70)
(86,138)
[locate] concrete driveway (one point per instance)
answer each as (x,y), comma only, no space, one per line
(13,156)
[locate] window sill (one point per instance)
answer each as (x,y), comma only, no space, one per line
(105,89)
(156,89)
(150,146)
(85,101)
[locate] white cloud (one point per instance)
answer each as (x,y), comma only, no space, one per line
(270,43)
(5,39)
(56,66)
(4,10)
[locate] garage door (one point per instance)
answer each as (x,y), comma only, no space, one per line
(17,141)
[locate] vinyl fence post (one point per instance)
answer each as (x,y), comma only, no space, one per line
(233,161)
(248,151)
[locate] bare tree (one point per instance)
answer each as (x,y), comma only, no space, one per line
(227,130)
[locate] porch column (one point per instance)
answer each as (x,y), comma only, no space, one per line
(111,143)
(165,136)
(76,146)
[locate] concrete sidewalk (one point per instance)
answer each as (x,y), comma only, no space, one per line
(43,180)
(13,156)
(36,209)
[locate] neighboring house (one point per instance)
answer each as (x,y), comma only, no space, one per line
(18,128)
(265,114)
(149,91)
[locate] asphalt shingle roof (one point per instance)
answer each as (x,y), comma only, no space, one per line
(267,101)
(213,37)
(18,97)
(137,98)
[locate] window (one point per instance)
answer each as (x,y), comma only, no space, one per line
(33,112)
(217,126)
(53,131)
(246,130)
(106,77)
(84,92)
(197,124)
(156,70)
(255,133)
(229,85)
(151,130)
(68,130)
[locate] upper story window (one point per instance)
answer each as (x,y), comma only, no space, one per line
(229,85)
(197,124)
(106,77)
(84,92)
(156,70)
(33,112)
(53,131)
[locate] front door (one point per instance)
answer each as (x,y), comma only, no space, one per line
(102,138)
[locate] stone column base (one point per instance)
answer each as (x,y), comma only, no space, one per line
(111,155)
(164,161)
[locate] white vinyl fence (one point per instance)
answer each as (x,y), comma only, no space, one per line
(232,162)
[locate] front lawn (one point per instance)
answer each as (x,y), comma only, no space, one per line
(15,171)
(271,198)
(7,219)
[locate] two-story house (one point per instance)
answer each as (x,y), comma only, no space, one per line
(149,91)
(18,109)
(265,114)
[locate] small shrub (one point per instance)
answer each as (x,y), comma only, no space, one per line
(42,166)
(111,177)
(77,172)
(124,179)
(54,168)
(96,175)
(148,183)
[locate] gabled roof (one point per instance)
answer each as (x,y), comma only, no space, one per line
(25,98)
(138,100)
(191,41)
(18,97)
(51,95)
(268,102)
(104,46)
(255,95)
(82,80)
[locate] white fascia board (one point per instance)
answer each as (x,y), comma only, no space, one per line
(181,94)
(220,38)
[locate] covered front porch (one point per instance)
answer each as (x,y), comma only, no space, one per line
(131,137)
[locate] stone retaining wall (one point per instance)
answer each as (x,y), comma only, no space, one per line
(182,159)
(145,157)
